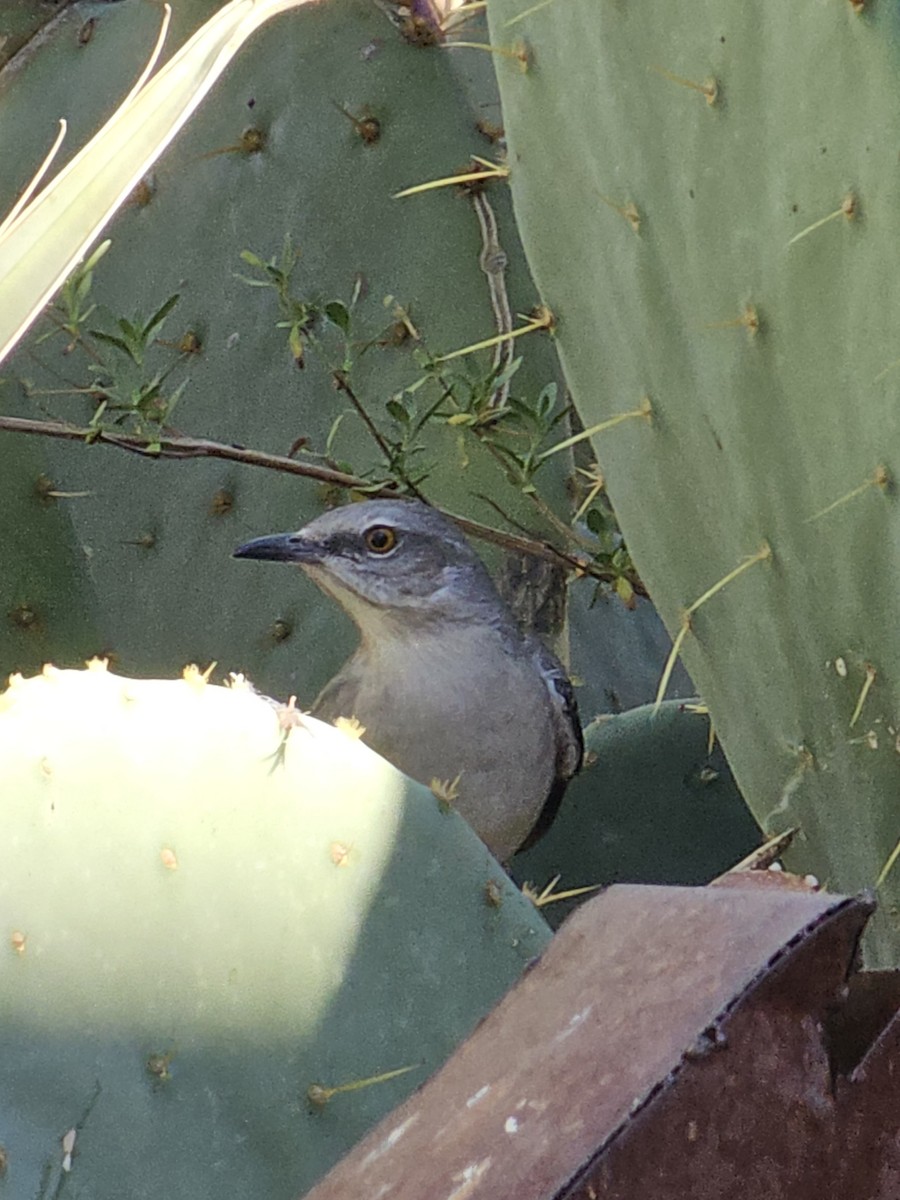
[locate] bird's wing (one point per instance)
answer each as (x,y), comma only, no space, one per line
(569,739)
(564,707)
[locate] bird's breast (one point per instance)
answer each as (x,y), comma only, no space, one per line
(462,705)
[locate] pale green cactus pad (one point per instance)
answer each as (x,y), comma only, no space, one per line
(223,926)
(709,199)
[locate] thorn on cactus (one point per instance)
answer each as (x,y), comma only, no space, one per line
(367,127)
(880,478)
(539,318)
(318,1095)
(849,208)
(806,763)
(627,211)
(420,31)
(527,13)
(871,673)
(339,854)
(158,1066)
(143,192)
(281,631)
(710,88)
(484,171)
(25,617)
(197,679)
(749,320)
(888,866)
(222,503)
(251,141)
(764,554)
(644,410)
(519,51)
(144,541)
(491,132)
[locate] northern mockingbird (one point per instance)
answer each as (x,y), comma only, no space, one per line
(443,681)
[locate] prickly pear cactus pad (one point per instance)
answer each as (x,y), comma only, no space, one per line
(709,199)
(230,938)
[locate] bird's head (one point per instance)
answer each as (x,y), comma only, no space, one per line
(388,558)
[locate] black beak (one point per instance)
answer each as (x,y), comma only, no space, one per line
(280,547)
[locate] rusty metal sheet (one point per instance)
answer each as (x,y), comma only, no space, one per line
(756,1111)
(669,1043)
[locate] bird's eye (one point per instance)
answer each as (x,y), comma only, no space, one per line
(380,539)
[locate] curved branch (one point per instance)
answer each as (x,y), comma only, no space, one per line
(179,447)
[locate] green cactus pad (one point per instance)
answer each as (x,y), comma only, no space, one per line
(655,803)
(220,919)
(709,198)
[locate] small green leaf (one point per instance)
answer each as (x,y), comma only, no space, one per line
(624,591)
(112,340)
(253,260)
(160,315)
(174,398)
(398,412)
(547,400)
(332,433)
(82,288)
(94,258)
(257,283)
(504,377)
(339,315)
(596,522)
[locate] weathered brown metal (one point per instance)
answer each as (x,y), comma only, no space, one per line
(672,1043)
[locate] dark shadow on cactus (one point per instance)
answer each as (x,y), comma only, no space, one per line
(652,806)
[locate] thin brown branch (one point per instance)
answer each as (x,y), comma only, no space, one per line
(187,447)
(179,447)
(529,545)
(342,383)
